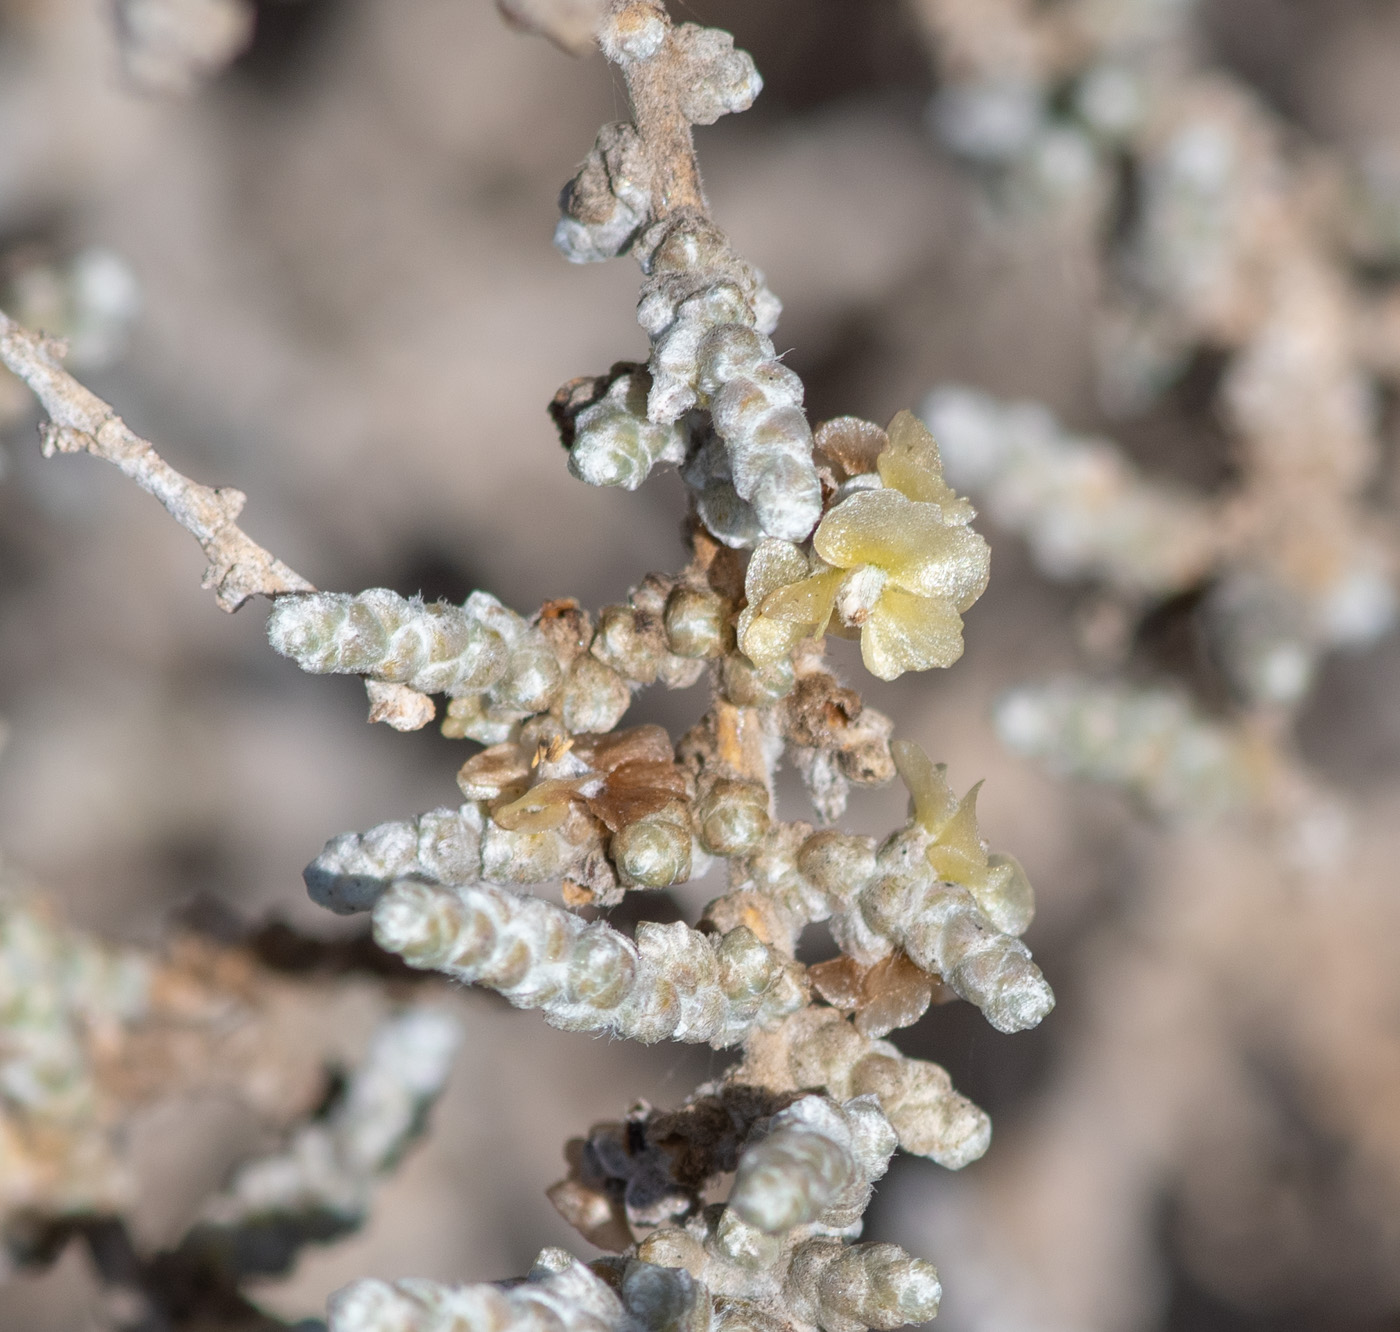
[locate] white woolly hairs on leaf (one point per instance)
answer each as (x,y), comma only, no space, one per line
(693,987)
(354,869)
(679,309)
(756,404)
(930,1118)
(696,288)
(707,314)
(944,931)
(723,79)
(446,846)
(791,1180)
(672,983)
(560,1295)
(988,968)
(814,1155)
(706,350)
(614,442)
(433,648)
(608,202)
(848,1288)
(837,864)
(727,517)
(520,946)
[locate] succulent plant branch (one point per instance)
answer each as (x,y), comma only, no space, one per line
(80,422)
(793,534)
(1234,256)
(850,529)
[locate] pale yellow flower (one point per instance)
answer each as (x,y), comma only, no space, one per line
(955,847)
(896,564)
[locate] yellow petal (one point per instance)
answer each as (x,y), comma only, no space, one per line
(934,802)
(808,602)
(909,633)
(909,541)
(764,641)
(773,565)
(957,853)
(868,527)
(955,564)
(911,465)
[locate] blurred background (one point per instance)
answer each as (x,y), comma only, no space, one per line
(314,262)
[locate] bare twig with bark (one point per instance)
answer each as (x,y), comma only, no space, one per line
(80,422)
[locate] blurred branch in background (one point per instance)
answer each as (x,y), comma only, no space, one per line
(572,24)
(1237,249)
(97,1038)
(173,46)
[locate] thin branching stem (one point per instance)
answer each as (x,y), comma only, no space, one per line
(81,422)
